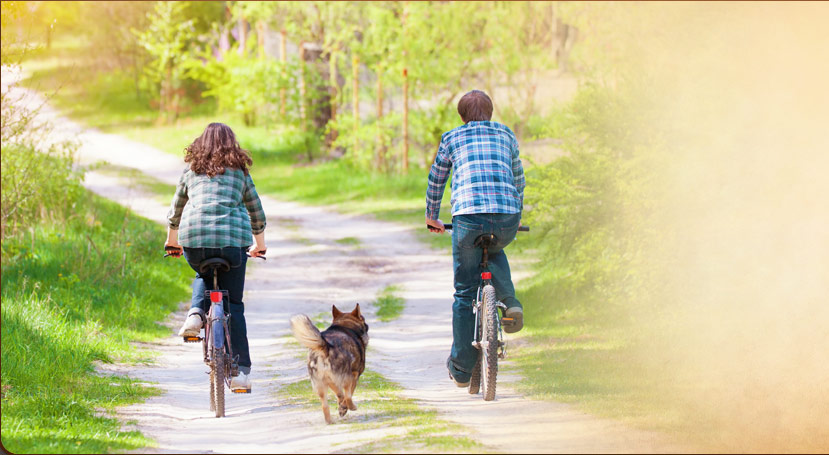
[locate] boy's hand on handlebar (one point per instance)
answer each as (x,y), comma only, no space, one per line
(435,226)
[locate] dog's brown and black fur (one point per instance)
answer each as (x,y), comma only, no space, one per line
(337,357)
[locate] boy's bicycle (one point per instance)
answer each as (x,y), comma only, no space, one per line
(488,337)
(218,353)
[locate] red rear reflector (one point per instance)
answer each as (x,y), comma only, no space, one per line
(486,276)
(215,296)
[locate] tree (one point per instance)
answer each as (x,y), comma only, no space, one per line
(167,40)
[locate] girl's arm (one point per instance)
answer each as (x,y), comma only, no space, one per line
(257,218)
(258,248)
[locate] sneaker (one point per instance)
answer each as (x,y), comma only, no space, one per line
(513,319)
(240,383)
(459,384)
(192,324)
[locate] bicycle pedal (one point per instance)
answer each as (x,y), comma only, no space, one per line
(240,390)
(195,339)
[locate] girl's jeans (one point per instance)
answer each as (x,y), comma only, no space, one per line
(467,260)
(232,281)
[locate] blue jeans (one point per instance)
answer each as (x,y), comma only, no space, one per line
(467,260)
(233,281)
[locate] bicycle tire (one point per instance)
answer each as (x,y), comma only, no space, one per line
(212,389)
(489,350)
(219,383)
(475,380)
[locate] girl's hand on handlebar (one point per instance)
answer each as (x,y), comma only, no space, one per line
(435,226)
(173,250)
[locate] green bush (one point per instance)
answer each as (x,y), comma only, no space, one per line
(31,177)
(592,206)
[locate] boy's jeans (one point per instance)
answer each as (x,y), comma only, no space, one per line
(233,281)
(467,260)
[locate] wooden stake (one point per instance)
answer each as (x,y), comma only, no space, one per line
(381,149)
(355,76)
(283,57)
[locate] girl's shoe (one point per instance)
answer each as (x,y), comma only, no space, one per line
(240,384)
(193,323)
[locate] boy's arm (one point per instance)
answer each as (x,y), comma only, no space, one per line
(438,176)
(518,174)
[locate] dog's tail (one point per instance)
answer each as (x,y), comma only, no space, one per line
(307,333)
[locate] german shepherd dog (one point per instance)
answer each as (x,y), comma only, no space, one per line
(337,356)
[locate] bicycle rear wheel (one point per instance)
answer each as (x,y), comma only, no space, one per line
(489,346)
(218,382)
(475,380)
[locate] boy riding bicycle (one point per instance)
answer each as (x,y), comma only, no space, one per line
(487,198)
(213,214)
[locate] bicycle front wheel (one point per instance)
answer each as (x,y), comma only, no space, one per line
(489,348)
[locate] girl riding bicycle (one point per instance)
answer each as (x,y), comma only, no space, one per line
(213,214)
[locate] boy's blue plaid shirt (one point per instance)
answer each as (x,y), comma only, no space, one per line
(489,177)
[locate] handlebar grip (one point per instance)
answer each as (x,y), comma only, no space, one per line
(524,228)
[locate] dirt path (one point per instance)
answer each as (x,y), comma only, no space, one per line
(308,271)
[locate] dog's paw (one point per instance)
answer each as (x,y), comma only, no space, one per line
(352,406)
(343,410)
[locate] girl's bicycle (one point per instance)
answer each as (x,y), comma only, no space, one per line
(218,353)
(489,336)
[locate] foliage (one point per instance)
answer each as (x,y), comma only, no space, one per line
(36,168)
(245,86)
(167,39)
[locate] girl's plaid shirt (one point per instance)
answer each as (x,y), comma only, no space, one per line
(215,212)
(488,176)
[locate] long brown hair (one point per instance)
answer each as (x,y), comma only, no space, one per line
(215,150)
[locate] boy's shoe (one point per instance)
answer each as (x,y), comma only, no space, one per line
(513,319)
(193,323)
(459,384)
(240,383)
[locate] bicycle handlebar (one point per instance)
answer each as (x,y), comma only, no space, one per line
(176,252)
(448,227)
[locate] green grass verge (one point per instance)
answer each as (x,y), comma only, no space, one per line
(590,356)
(389,305)
(380,405)
(75,292)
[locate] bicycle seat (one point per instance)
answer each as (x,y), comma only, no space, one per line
(486,240)
(214,263)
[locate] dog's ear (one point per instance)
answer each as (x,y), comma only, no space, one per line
(356,312)
(336,311)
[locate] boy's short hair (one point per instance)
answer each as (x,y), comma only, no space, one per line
(475,106)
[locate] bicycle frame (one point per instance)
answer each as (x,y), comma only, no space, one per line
(216,333)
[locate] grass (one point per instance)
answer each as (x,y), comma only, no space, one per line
(590,356)
(76,292)
(380,405)
(389,305)
(349,241)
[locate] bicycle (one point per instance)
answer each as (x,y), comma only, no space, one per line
(216,347)
(488,337)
